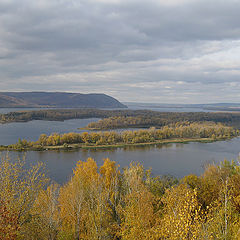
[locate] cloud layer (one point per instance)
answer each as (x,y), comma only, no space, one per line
(171,51)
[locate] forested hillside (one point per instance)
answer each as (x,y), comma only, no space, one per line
(106,203)
(58,99)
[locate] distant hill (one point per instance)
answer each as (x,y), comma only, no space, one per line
(58,99)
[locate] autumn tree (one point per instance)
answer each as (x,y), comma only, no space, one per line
(83,202)
(19,187)
(137,208)
(181,214)
(46,219)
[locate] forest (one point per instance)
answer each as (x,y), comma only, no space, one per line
(104,202)
(127,122)
(143,118)
(180,131)
(162,119)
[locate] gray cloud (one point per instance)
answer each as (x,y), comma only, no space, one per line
(135,50)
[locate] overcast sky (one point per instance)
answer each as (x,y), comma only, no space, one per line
(164,51)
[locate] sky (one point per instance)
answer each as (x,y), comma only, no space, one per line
(161,51)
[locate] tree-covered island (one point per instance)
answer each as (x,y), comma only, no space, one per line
(179,132)
(128,118)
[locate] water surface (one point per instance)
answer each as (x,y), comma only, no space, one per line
(174,159)
(11,132)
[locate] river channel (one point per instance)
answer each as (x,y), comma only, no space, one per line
(174,159)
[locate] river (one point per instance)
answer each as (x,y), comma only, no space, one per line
(174,159)
(11,132)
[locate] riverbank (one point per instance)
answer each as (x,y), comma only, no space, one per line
(67,147)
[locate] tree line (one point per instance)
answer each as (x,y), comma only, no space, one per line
(162,119)
(145,118)
(177,131)
(106,203)
(127,122)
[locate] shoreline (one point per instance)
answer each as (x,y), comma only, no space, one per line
(79,146)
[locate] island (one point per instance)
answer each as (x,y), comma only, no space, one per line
(181,132)
(122,118)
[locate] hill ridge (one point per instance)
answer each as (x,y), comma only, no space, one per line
(58,99)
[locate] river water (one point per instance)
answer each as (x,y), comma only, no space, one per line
(174,159)
(11,132)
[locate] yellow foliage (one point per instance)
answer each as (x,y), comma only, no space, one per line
(102,203)
(181,219)
(19,188)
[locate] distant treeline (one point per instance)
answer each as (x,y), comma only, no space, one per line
(162,119)
(131,122)
(127,122)
(188,130)
(143,118)
(101,202)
